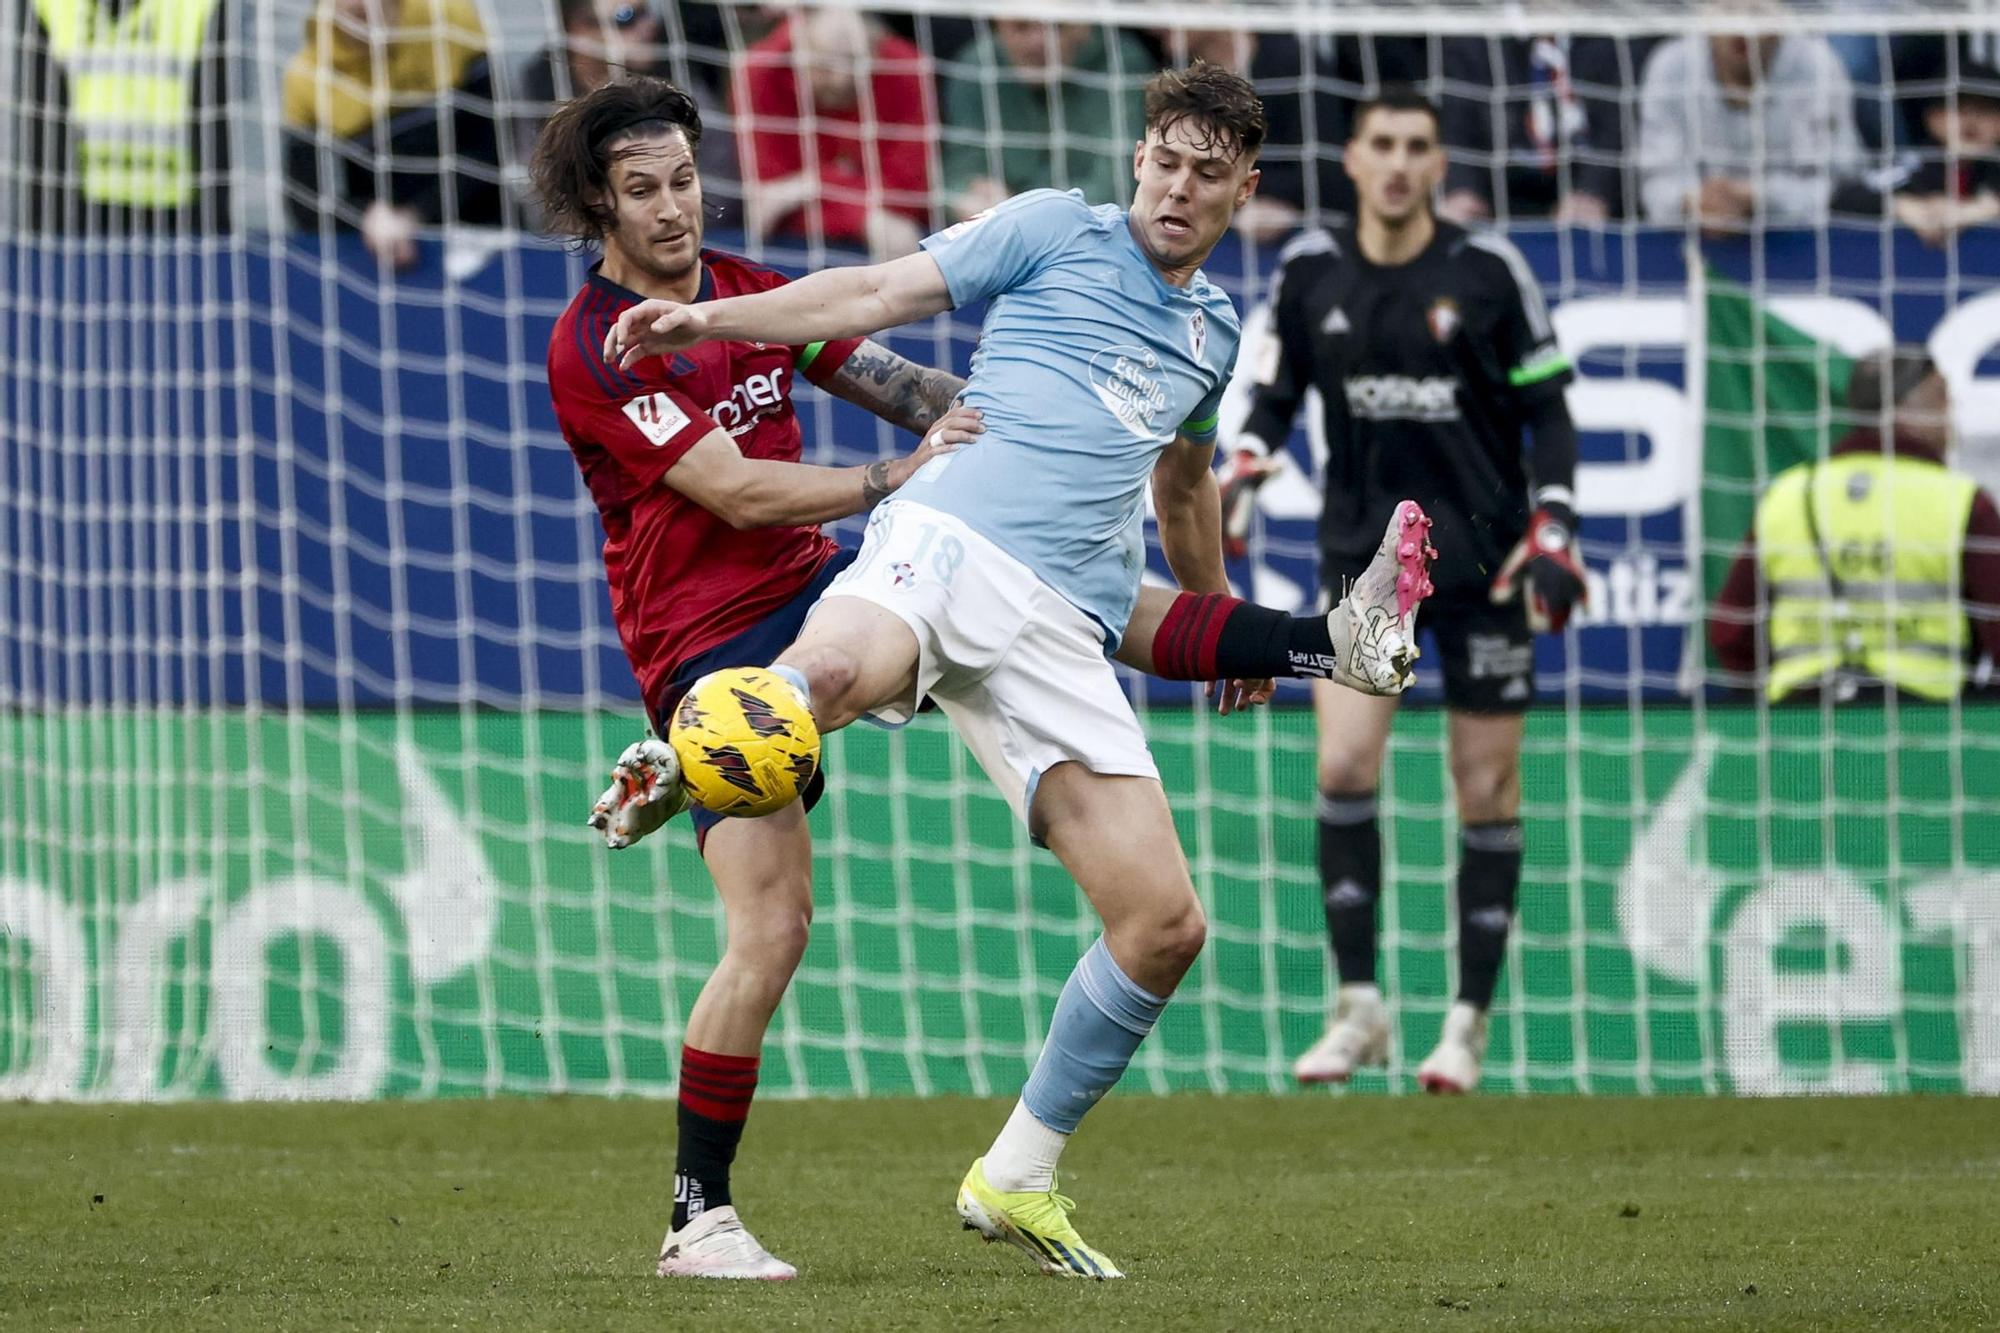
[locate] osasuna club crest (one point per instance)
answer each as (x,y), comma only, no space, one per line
(1443,318)
(1198,332)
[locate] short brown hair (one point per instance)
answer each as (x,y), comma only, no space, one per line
(572,165)
(1222,104)
(1396,97)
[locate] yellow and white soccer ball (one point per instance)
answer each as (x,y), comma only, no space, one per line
(746,741)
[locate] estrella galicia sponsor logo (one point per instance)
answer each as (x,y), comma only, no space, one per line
(1128,382)
(1402,397)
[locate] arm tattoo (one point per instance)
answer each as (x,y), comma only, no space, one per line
(875,485)
(894,388)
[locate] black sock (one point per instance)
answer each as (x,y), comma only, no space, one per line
(701,1164)
(1258,642)
(1350,876)
(714,1103)
(1489,879)
(1212,636)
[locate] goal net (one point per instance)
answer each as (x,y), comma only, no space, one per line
(308,675)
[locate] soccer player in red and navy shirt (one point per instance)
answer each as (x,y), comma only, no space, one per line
(715,556)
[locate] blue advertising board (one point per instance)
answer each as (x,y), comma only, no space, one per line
(251,472)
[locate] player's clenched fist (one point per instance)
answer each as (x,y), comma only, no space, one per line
(653,328)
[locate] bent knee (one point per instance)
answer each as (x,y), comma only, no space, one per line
(773,940)
(1184,936)
(1348,774)
(1487,793)
(1176,937)
(830,676)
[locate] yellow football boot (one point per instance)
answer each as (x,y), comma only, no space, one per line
(1035,1221)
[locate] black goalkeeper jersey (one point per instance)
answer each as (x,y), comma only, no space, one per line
(1428,372)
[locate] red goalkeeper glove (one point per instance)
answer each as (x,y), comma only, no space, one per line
(1245,471)
(1544,563)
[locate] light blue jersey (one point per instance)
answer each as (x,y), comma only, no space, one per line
(1088,366)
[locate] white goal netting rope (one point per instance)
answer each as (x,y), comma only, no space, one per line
(307,672)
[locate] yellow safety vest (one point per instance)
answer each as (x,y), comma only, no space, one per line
(130,83)
(1861,557)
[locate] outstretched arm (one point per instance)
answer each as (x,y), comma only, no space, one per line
(766,493)
(894,388)
(834,303)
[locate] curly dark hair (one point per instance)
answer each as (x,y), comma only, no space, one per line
(1223,105)
(573,158)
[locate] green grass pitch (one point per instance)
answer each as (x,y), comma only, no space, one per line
(1228,1212)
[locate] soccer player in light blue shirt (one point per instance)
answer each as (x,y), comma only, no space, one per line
(1089,365)
(998,578)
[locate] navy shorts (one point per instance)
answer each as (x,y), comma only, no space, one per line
(757,646)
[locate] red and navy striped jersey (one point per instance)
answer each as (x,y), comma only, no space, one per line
(683,580)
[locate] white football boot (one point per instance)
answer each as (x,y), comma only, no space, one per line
(646,791)
(1454,1066)
(1357,1036)
(1374,627)
(715,1243)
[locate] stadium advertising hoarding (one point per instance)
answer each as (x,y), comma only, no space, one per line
(389,515)
(1740,901)
(334,596)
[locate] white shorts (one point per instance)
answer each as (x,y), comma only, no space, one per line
(1018,669)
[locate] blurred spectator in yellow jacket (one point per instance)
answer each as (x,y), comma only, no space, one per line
(389,121)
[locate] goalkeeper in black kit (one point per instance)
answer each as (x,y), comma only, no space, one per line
(1432,351)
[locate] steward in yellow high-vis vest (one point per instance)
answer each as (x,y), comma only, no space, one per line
(132,95)
(1864,569)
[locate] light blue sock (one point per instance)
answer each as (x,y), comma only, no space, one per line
(1099,1022)
(798,678)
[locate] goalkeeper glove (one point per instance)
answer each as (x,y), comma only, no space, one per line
(645,792)
(1544,561)
(1246,470)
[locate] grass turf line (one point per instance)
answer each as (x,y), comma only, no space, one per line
(1234,1212)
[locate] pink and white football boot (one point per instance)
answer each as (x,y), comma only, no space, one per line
(1374,627)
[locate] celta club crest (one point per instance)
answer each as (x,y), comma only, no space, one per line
(1443,318)
(732,767)
(1198,332)
(759,715)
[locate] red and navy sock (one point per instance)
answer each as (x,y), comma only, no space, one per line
(1213,636)
(714,1102)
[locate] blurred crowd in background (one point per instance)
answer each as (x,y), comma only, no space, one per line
(862,131)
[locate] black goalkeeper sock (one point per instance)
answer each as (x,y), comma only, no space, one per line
(1212,636)
(1489,880)
(1350,876)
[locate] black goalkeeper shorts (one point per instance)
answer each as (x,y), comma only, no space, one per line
(1485,652)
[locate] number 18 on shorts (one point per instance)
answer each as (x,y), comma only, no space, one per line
(1019,670)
